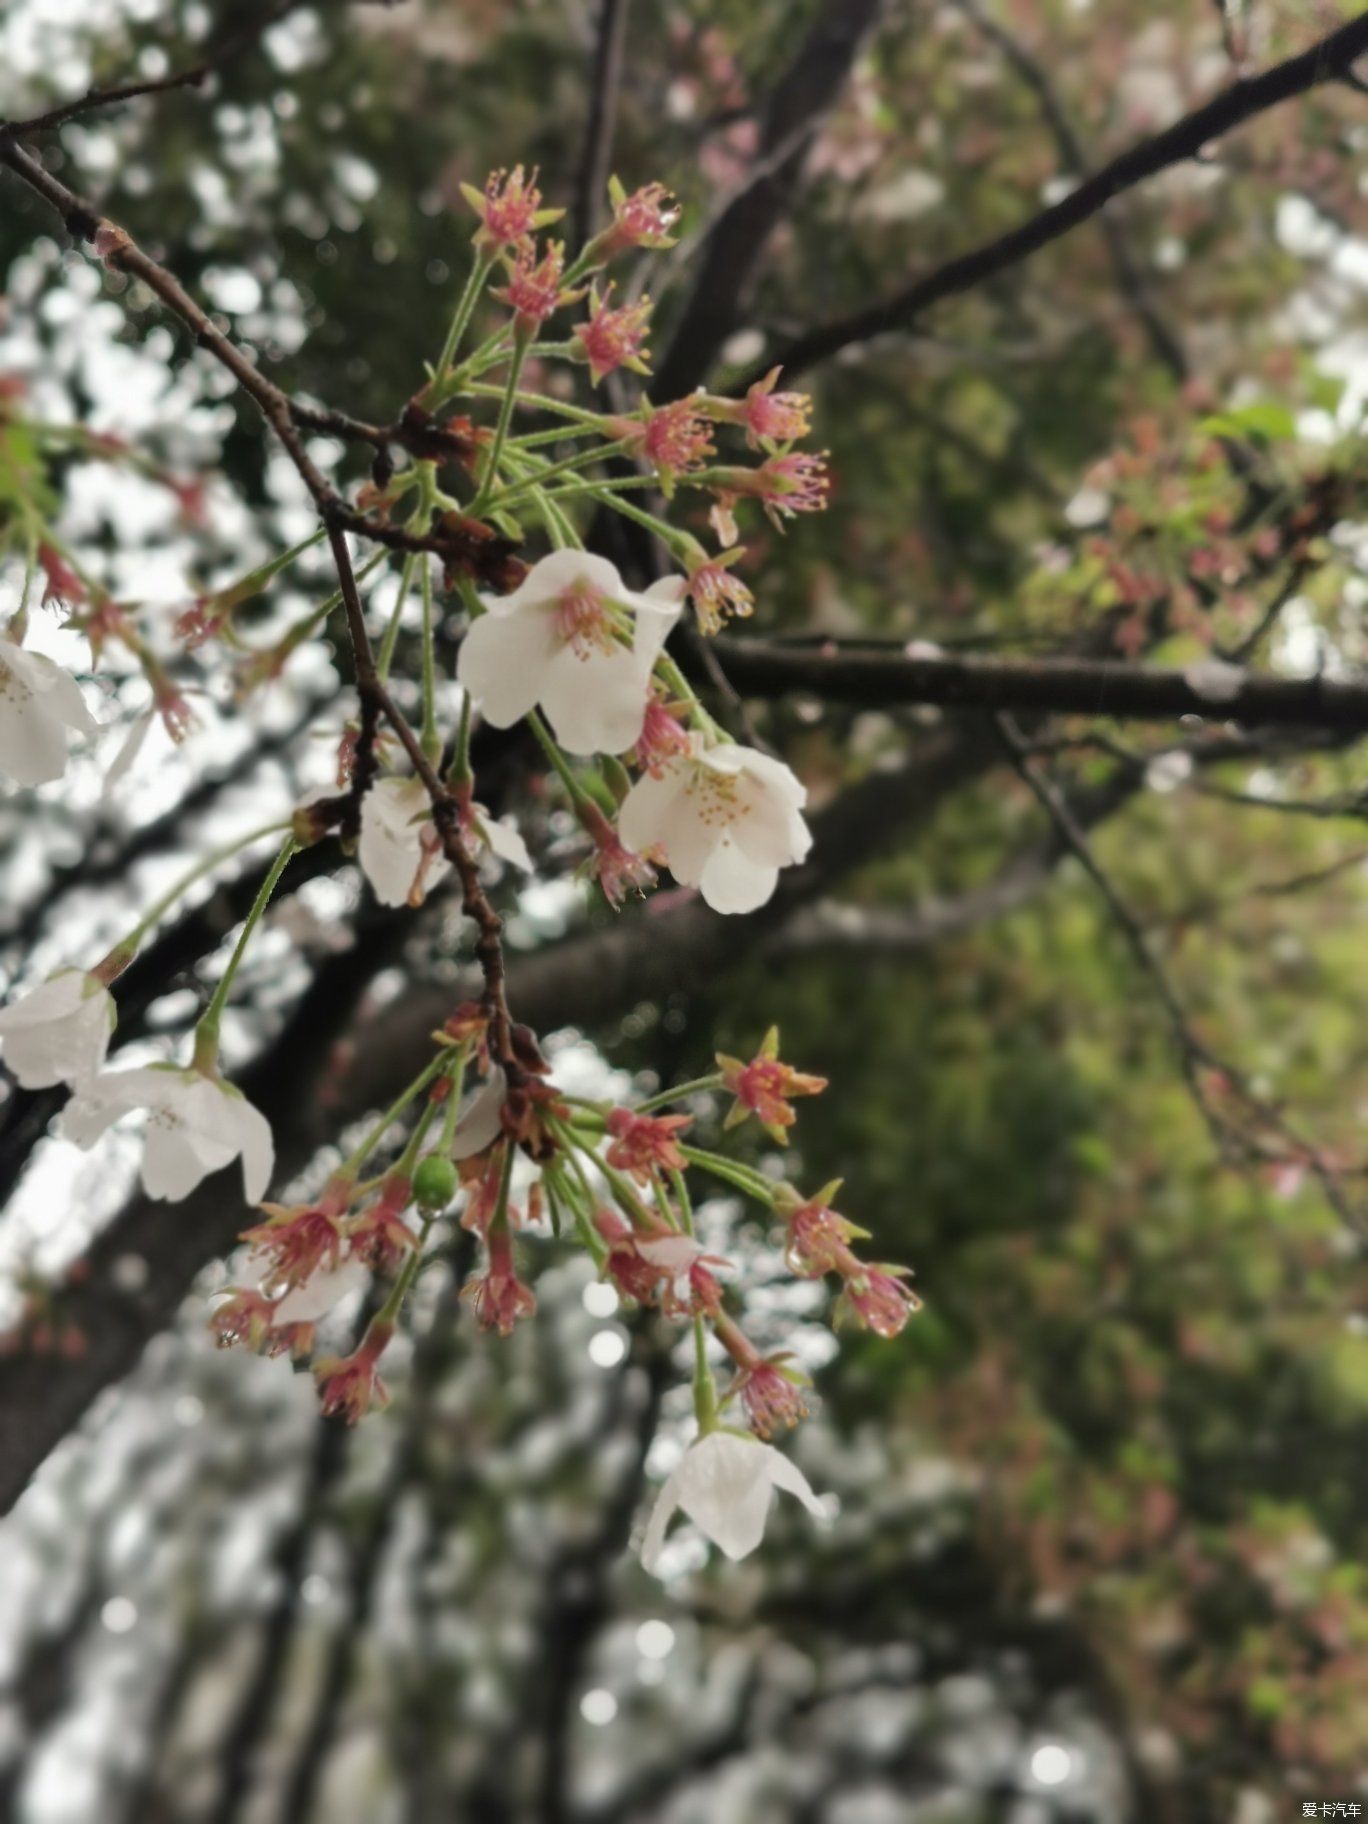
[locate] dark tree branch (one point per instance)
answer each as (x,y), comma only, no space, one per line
(1327,61)
(1049,686)
(737,243)
(1134,282)
(604,85)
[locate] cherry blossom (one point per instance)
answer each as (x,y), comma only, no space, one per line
(197,1125)
(400,850)
(726,819)
(39,703)
(725,1484)
(575,640)
(60,1032)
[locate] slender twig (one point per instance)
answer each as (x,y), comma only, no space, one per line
(604,85)
(1326,61)
(1206,1074)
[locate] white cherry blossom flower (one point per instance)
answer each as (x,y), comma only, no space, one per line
(39,703)
(725,1483)
(726,819)
(400,850)
(575,639)
(196,1126)
(60,1032)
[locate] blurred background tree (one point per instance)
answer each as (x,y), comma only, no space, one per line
(1088,991)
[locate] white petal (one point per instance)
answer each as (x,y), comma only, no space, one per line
(648,807)
(503,662)
(666,1504)
(764,831)
(63,696)
(32,743)
(774,775)
(727,1491)
(551,575)
(732,883)
(173,1163)
(506,843)
(785,1474)
(481,1118)
(103,1100)
(671,1253)
(596,705)
(320,1293)
(257,1146)
(656,614)
(60,1032)
(390,849)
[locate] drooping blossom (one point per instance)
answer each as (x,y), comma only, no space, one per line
(298,1240)
(643,1144)
(498,1297)
(772,1397)
(717,593)
(725,1484)
(693,1286)
(726,818)
(614,337)
(60,1032)
(378,1233)
(350,1385)
(39,704)
(575,640)
(196,1125)
(818,1238)
(663,737)
(634,1276)
(764,1088)
(60,581)
(510,210)
(618,869)
(878,1299)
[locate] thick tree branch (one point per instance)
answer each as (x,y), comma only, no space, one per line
(1329,60)
(1050,686)
(737,243)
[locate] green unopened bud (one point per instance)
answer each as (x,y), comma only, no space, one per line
(434,1183)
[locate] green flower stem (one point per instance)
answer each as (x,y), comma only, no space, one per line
(465,309)
(428,735)
(510,395)
(679,686)
(126,949)
(452,1110)
(351,1166)
(461,772)
(704,1386)
(681,1191)
(550,747)
(559,433)
(406,1161)
(491,351)
(692,1088)
(408,1273)
(740,1177)
(542,402)
(545,471)
(677,542)
(207,1031)
(385,657)
(558,528)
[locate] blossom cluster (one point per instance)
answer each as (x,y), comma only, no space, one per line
(559,640)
